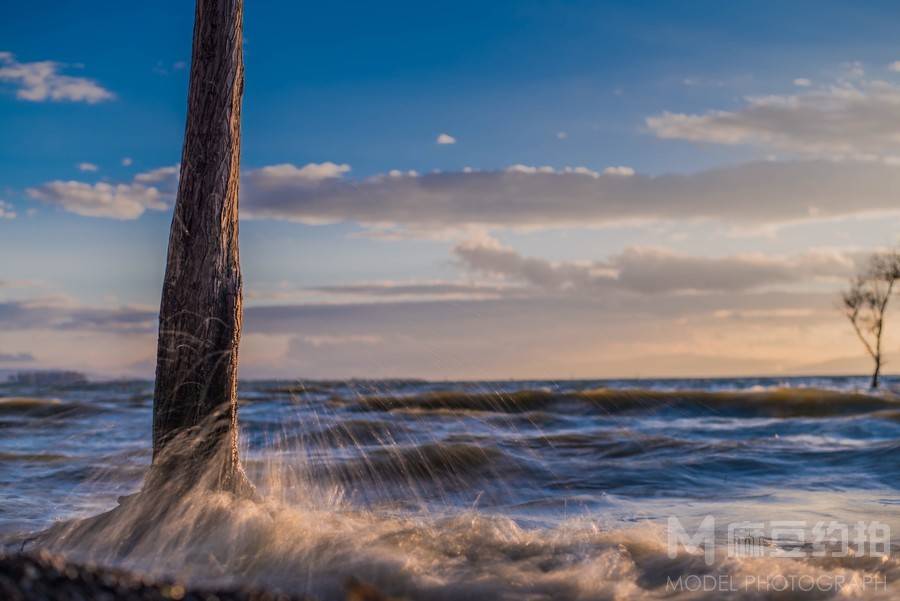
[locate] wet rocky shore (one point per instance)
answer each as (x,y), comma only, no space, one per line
(45,577)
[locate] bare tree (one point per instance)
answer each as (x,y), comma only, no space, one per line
(866,302)
(201,309)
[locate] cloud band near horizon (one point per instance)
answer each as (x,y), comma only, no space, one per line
(410,204)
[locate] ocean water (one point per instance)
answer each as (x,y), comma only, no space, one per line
(495,490)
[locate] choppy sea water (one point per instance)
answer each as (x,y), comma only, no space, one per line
(501,490)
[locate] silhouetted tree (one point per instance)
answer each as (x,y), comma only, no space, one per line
(201,310)
(866,302)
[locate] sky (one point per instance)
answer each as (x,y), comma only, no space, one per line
(463,189)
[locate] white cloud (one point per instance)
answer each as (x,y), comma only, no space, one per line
(453,204)
(115,201)
(127,161)
(802,82)
(158,175)
(445,139)
(620,170)
(528,169)
(851,119)
(895,66)
(7,211)
(561,135)
(41,81)
(286,174)
(523,196)
(87,167)
(112,201)
(398,173)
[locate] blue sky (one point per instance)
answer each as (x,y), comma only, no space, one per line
(626,91)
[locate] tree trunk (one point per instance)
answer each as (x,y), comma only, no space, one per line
(195,399)
(877,372)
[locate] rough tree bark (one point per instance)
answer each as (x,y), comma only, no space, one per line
(201,309)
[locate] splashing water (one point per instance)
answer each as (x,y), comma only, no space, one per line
(537,490)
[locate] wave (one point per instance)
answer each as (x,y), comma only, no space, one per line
(776,403)
(213,538)
(413,465)
(14,457)
(45,408)
(357,432)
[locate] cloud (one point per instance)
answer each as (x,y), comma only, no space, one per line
(161,174)
(127,161)
(653,271)
(543,334)
(112,201)
(7,211)
(286,174)
(16,357)
(802,82)
(561,135)
(378,291)
(449,204)
(445,139)
(552,336)
(161,68)
(658,271)
(848,120)
(18,284)
(87,167)
(324,340)
(120,201)
(523,196)
(621,170)
(63,314)
(41,81)
(894,66)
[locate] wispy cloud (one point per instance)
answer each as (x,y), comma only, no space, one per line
(16,357)
(653,270)
(378,291)
(850,119)
(41,81)
(87,167)
(7,211)
(445,139)
(65,314)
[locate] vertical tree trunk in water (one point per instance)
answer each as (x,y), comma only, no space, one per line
(201,309)
(877,372)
